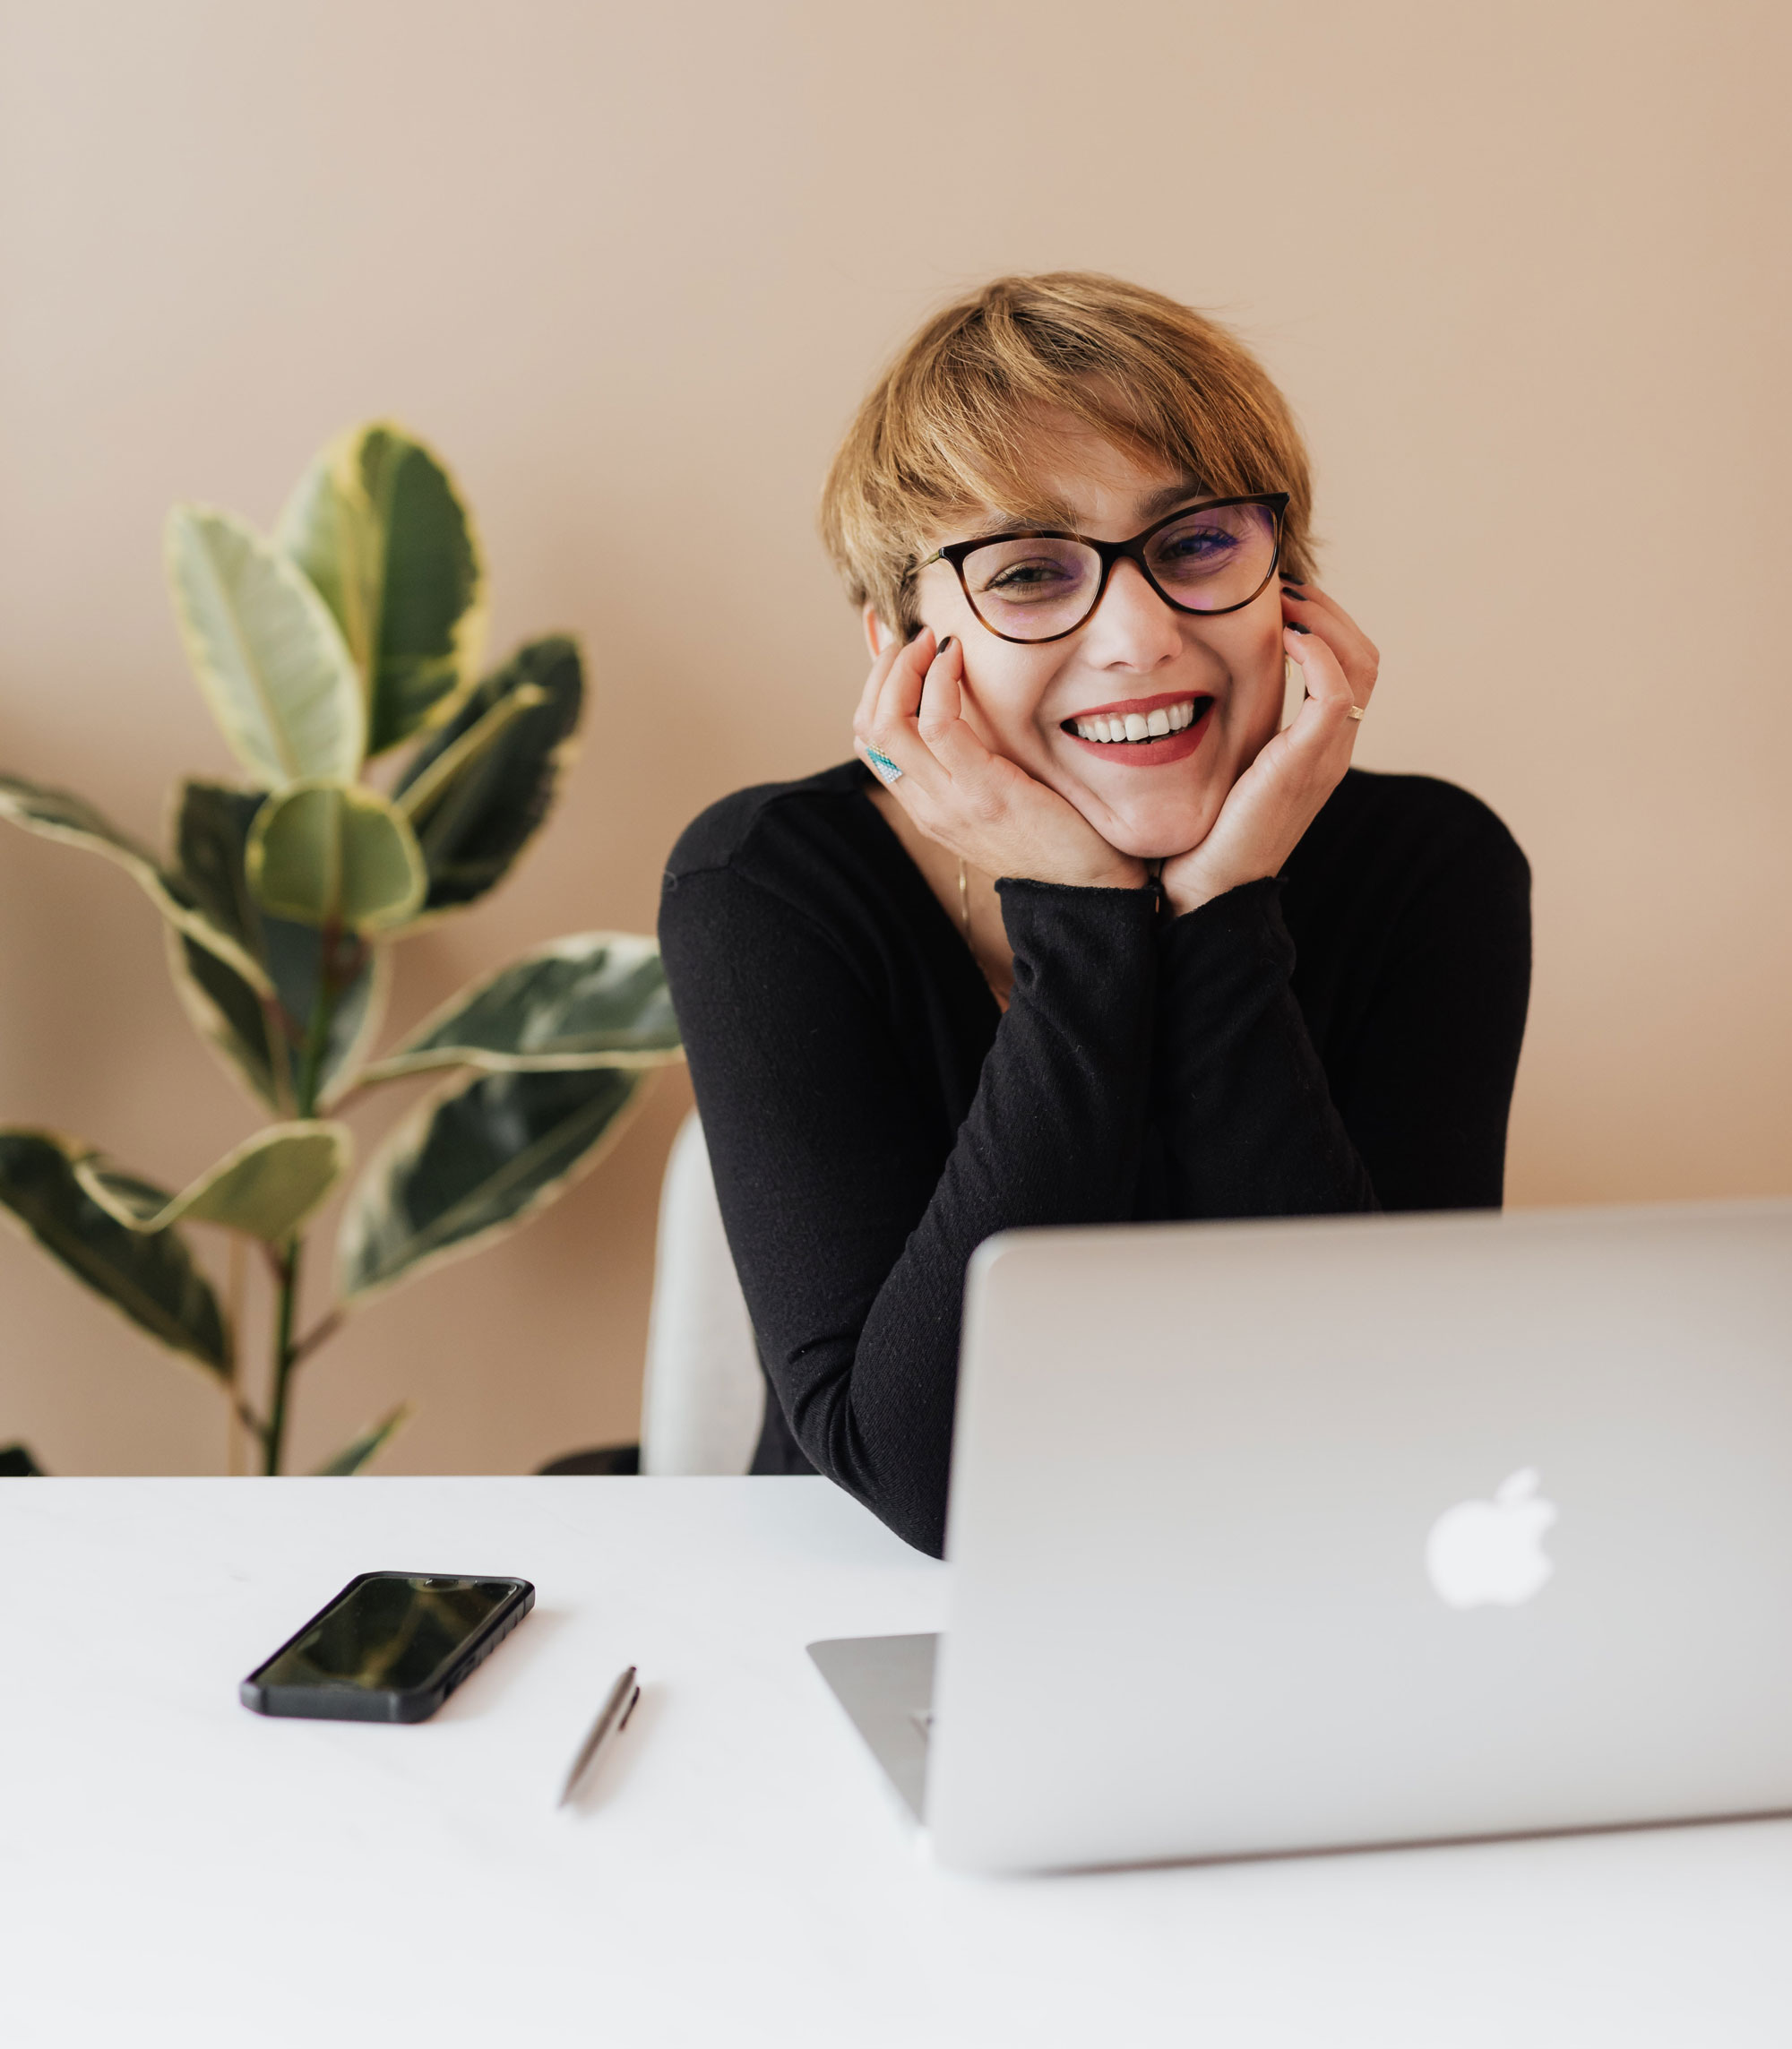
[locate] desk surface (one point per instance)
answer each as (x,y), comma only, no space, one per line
(173,1869)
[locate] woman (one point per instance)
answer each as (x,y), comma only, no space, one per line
(1082,936)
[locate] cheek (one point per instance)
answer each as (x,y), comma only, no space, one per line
(1001,698)
(1259,686)
(940,604)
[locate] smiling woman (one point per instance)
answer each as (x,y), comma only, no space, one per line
(1091,936)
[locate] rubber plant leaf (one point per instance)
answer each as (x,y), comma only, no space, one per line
(60,814)
(211,834)
(595,999)
(359,1452)
(475,809)
(16,1463)
(266,1188)
(269,655)
(151,1281)
(329,853)
(472,1163)
(378,527)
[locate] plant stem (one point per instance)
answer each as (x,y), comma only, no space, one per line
(276,1030)
(330,981)
(249,1421)
(286,1303)
(320,1333)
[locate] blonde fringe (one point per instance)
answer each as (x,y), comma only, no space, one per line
(953,424)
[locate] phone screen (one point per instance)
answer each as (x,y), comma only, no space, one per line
(393,1632)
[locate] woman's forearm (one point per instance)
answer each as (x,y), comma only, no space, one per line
(1243,1106)
(852,1208)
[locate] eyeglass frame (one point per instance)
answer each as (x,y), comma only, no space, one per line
(1113,552)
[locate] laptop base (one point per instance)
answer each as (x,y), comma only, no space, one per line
(886,1683)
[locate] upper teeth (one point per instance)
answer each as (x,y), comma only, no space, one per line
(1137,725)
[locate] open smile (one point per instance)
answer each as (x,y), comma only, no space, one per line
(1142,732)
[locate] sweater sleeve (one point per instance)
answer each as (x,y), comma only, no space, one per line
(1437,1025)
(1407,1107)
(1249,1128)
(850,1242)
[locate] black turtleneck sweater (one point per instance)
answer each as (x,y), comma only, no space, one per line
(1342,1038)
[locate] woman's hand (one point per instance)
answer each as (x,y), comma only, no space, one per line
(980,806)
(1281,793)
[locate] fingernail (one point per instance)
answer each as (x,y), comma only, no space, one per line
(946,644)
(1295,591)
(1294,626)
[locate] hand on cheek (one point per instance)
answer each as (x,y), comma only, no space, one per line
(912,730)
(1279,795)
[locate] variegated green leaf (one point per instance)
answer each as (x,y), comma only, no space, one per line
(472,1163)
(326,853)
(152,1281)
(266,1188)
(211,836)
(359,1452)
(60,814)
(208,834)
(452,764)
(233,1021)
(269,655)
(596,999)
(477,790)
(379,528)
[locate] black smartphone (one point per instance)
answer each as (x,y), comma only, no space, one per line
(391,1647)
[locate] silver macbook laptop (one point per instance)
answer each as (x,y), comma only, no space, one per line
(1306,1535)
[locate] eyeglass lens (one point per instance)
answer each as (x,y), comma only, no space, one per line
(1216,558)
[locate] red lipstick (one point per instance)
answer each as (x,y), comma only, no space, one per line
(1158,753)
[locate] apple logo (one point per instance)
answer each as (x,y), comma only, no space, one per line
(1492,1552)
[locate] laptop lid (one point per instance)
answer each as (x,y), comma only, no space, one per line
(1281,1536)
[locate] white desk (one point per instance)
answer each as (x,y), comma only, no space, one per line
(175,1870)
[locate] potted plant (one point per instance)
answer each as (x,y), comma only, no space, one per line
(351,638)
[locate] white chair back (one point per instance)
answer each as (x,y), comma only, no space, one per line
(704,1399)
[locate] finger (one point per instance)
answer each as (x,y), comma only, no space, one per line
(941,706)
(1311,607)
(951,737)
(874,683)
(884,767)
(899,697)
(1312,595)
(891,731)
(1329,694)
(1308,605)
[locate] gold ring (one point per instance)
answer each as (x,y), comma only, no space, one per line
(1355,714)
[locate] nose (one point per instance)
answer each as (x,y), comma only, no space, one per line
(1131,627)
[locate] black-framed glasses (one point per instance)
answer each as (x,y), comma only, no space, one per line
(1212,557)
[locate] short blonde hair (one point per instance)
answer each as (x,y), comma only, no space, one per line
(950,424)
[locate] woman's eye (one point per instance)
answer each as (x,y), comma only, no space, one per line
(1209,543)
(1029,579)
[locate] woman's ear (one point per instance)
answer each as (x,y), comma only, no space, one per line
(877,635)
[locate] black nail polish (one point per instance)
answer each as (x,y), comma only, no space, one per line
(946,644)
(1295,591)
(1294,626)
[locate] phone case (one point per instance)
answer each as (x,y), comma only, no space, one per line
(345,1703)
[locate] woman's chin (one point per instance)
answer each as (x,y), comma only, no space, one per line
(1154,832)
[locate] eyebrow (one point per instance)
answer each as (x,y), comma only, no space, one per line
(1154,504)
(1172,495)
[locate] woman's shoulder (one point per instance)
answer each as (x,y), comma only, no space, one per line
(781,870)
(773,826)
(1410,826)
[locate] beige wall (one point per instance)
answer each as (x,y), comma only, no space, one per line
(1521,267)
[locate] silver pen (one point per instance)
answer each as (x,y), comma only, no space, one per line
(612,1719)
